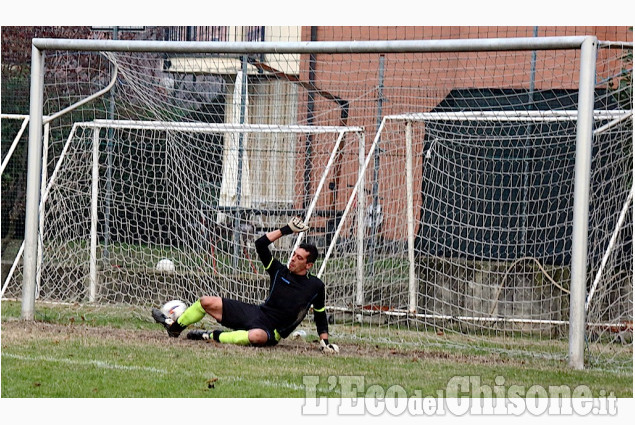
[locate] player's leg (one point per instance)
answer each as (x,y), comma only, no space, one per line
(237,337)
(213,306)
(262,337)
(194,313)
(257,336)
(247,321)
(173,327)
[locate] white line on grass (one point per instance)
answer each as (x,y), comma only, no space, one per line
(106,365)
(96,363)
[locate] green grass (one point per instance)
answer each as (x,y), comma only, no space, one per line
(83,352)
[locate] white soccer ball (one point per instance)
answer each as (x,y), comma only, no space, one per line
(173,309)
(165,265)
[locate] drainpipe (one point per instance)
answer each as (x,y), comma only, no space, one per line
(308,163)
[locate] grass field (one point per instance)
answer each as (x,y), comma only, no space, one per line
(89,354)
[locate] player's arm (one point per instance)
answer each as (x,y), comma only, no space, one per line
(262,248)
(319,314)
(296,225)
(322,324)
(262,244)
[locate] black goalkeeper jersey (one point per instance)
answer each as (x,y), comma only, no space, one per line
(290,295)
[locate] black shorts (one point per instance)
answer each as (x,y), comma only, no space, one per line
(238,315)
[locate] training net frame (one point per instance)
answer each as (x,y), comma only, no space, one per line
(99,135)
(614,118)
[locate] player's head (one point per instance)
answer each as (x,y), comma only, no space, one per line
(312,250)
(303,258)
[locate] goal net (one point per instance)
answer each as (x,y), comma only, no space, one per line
(439,186)
(479,240)
(139,212)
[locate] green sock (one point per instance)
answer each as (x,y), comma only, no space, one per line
(192,314)
(234,337)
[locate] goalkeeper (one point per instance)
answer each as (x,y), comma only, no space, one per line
(292,292)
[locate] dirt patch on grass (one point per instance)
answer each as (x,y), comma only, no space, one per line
(16,332)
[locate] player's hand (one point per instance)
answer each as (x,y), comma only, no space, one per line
(328,348)
(297,225)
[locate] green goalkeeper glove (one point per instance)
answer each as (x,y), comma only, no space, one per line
(296,225)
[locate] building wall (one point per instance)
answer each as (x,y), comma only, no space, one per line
(418,82)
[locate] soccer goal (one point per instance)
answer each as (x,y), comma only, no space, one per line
(483,241)
(138,212)
(473,193)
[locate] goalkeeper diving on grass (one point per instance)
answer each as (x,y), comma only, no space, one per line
(292,292)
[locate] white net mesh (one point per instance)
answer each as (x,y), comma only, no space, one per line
(492,204)
(492,187)
(172,191)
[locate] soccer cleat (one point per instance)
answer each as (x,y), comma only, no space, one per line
(172,326)
(199,334)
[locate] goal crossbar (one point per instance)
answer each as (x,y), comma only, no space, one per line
(371,46)
(219,128)
(546,116)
